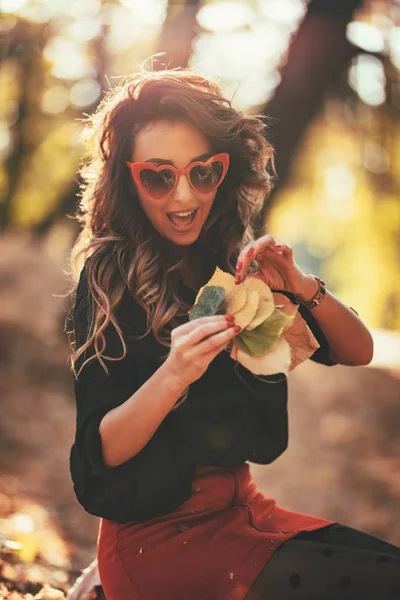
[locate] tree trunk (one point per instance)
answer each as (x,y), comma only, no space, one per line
(319,53)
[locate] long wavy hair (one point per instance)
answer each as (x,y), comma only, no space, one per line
(118,245)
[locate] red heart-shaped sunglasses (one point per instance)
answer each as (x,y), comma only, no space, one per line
(160,181)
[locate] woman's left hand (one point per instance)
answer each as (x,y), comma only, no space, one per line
(277,266)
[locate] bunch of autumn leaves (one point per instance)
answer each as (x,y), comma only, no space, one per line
(274,338)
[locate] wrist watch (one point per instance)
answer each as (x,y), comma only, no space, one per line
(317,298)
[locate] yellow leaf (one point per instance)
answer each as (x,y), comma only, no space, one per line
(236,299)
(266,304)
(246,314)
(277,360)
(222,279)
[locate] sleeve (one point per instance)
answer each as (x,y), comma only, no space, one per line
(149,483)
(321,355)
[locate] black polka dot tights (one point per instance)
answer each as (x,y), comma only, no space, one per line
(332,563)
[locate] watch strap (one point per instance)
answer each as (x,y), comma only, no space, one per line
(317,298)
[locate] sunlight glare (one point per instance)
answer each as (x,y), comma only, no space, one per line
(254,90)
(339,181)
(84,30)
(386,349)
(6,141)
(365,36)
(55,100)
(147,13)
(289,12)
(41,11)
(85,92)
(375,157)
(225,16)
(69,62)
(234,54)
(84,10)
(22,523)
(38,13)
(340,185)
(119,39)
(394,45)
(367,78)
(12,6)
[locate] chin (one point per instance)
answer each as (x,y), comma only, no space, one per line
(182,240)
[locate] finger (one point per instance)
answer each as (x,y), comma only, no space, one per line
(218,341)
(270,253)
(287,251)
(206,330)
(250,253)
(195,323)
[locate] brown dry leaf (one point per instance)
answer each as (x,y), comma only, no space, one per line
(299,336)
(284,304)
(296,344)
(252,301)
(301,340)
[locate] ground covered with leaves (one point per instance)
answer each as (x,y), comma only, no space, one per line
(38,580)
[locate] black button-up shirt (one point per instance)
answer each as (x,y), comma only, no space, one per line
(229,417)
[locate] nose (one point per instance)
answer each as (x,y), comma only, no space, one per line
(183,189)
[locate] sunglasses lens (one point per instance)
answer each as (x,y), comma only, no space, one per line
(206,178)
(157,183)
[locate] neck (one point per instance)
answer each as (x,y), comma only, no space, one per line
(194,266)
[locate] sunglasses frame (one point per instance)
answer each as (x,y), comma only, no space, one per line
(137,167)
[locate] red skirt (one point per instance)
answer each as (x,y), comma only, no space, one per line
(212,547)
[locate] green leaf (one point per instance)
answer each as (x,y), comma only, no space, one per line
(211,302)
(264,337)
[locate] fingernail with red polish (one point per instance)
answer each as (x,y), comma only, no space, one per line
(239,266)
(237,279)
(278,246)
(250,252)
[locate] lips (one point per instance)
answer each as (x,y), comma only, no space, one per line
(182,216)
(182,222)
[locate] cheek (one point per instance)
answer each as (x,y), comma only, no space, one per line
(208,199)
(149,205)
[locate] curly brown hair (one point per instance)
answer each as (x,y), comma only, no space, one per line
(118,245)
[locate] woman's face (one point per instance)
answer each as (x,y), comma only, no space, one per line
(175,143)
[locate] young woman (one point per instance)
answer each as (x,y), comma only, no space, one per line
(167,422)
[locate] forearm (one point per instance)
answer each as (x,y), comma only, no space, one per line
(350,340)
(125,430)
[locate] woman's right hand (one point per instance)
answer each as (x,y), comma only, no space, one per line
(196,343)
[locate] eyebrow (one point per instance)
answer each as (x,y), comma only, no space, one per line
(165,161)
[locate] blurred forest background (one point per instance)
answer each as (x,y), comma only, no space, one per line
(327,73)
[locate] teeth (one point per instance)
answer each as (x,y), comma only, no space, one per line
(184,214)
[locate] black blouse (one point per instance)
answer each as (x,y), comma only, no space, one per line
(229,417)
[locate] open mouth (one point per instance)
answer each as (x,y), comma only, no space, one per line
(183,219)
